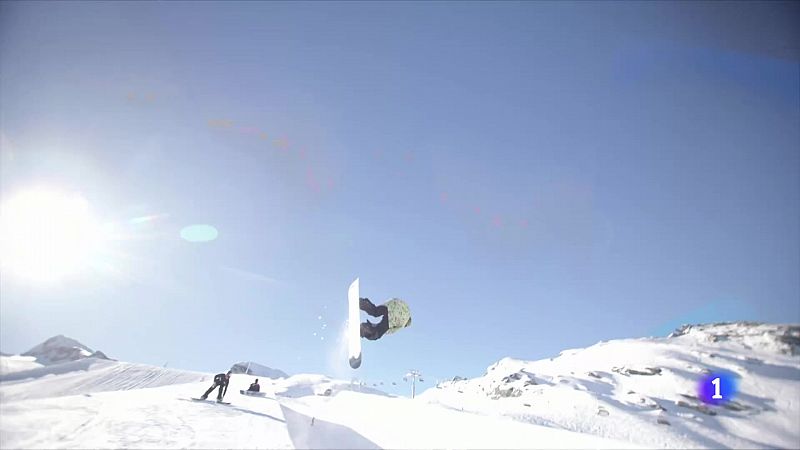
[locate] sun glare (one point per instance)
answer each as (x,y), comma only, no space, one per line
(46,235)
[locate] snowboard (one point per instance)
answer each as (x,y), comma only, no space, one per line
(210,401)
(354,326)
(252,393)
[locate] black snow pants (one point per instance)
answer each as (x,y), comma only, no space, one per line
(370,330)
(219,394)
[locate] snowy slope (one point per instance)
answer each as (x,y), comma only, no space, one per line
(618,394)
(17,363)
(644,390)
(304,411)
(88,376)
(162,417)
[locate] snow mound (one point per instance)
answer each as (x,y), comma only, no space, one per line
(86,376)
(302,385)
(16,363)
(645,390)
(251,368)
(59,349)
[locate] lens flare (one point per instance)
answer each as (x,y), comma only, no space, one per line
(199,233)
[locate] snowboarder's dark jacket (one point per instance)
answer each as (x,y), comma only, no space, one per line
(254,387)
(221,378)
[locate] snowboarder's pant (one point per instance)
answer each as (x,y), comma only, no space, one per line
(370,330)
(219,394)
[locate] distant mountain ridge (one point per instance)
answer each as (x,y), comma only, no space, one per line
(60,349)
(783,339)
(252,368)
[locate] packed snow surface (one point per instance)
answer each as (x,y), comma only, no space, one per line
(617,394)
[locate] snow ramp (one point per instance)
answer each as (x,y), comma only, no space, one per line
(355,420)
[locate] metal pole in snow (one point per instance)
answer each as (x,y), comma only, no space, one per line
(414,374)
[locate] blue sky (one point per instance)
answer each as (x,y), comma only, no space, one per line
(530,177)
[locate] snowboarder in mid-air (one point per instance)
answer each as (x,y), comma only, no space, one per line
(221,380)
(396,316)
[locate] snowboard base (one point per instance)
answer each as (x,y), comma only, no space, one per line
(354,325)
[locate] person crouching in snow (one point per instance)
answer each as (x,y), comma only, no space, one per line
(221,380)
(255,387)
(396,316)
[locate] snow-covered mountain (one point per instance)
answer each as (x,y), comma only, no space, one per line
(645,390)
(252,368)
(59,349)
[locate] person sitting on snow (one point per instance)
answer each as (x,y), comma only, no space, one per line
(396,316)
(254,387)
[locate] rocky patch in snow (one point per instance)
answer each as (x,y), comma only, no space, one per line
(749,335)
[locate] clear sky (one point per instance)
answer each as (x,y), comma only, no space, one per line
(529,177)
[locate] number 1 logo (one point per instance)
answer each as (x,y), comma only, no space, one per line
(717,395)
(718,387)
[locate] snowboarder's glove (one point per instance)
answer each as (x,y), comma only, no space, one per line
(364,304)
